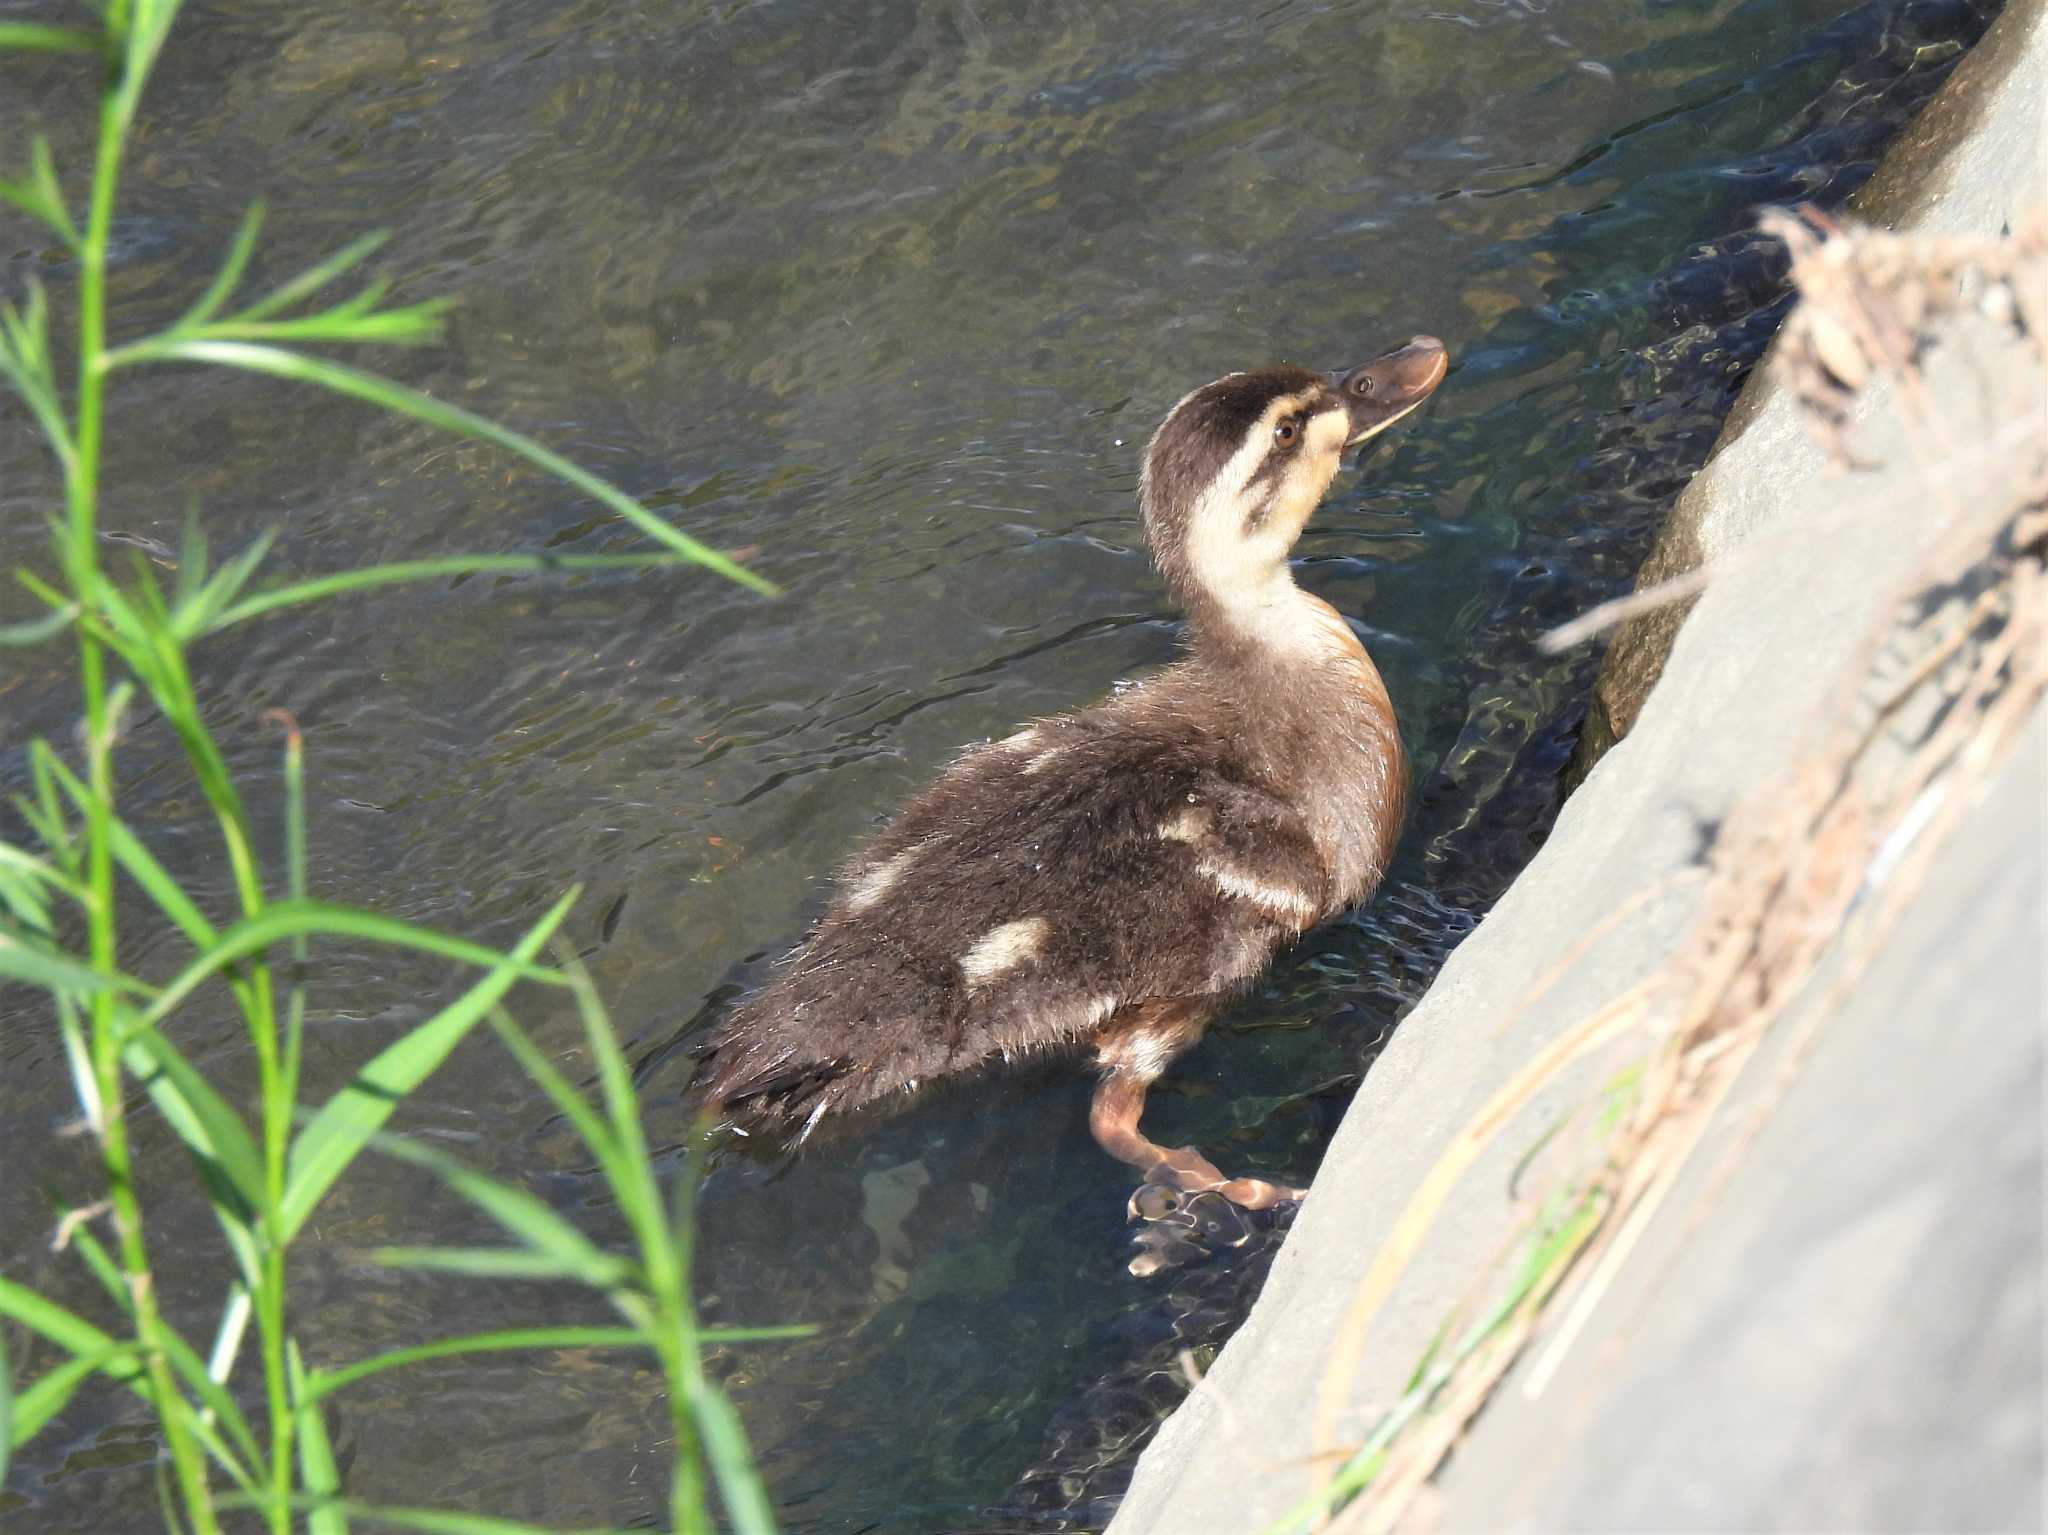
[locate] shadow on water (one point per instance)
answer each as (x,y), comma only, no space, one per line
(891,296)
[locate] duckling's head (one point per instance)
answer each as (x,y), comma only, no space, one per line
(1236,468)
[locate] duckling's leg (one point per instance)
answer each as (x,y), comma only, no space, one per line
(1133,1050)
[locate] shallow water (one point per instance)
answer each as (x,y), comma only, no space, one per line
(890,296)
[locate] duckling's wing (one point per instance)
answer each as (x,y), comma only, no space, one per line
(1014,906)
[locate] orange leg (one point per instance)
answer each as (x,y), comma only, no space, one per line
(1133,1051)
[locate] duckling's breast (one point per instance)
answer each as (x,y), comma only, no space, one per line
(1336,745)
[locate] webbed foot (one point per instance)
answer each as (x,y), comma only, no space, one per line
(1188,1171)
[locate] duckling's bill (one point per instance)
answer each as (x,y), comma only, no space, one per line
(1376,394)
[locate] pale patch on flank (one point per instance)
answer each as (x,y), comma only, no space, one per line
(1099,1011)
(1002,949)
(1189,825)
(878,881)
(1278,899)
(1143,1056)
(1024,740)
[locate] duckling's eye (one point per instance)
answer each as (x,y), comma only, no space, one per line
(1288,432)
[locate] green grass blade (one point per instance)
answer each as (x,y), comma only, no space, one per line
(509,1340)
(278,363)
(318,1471)
(630,1171)
(166,1503)
(222,586)
(98,1261)
(295,885)
(229,277)
(204,1380)
(523,1215)
(438,1522)
(66,1329)
(213,1133)
(53,1392)
(33,37)
(227,1338)
(149,23)
(331,1140)
(51,969)
(43,177)
(138,862)
(314,278)
(155,881)
(573,1105)
(398,573)
(497,1263)
(185,1361)
(614,1075)
(282,919)
(725,1443)
(324,1383)
(49,594)
(7,1412)
(34,631)
(355,321)
(25,357)
(222,1407)
(80,1338)
(770,1333)
(14,860)
(78,1056)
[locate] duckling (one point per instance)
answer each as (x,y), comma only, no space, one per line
(1108,880)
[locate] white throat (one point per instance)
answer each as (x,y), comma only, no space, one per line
(1238,538)
(1278,616)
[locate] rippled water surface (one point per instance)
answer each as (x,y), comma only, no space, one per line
(890,296)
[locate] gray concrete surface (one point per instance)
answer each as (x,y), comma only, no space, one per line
(1848,1336)
(1852,1338)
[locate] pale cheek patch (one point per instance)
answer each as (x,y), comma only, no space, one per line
(1002,949)
(1216,541)
(1322,454)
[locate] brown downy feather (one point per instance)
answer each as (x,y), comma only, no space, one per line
(1098,825)
(1113,876)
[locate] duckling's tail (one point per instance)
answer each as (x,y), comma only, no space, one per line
(777,1094)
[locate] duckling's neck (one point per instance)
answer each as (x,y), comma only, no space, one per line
(1263,614)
